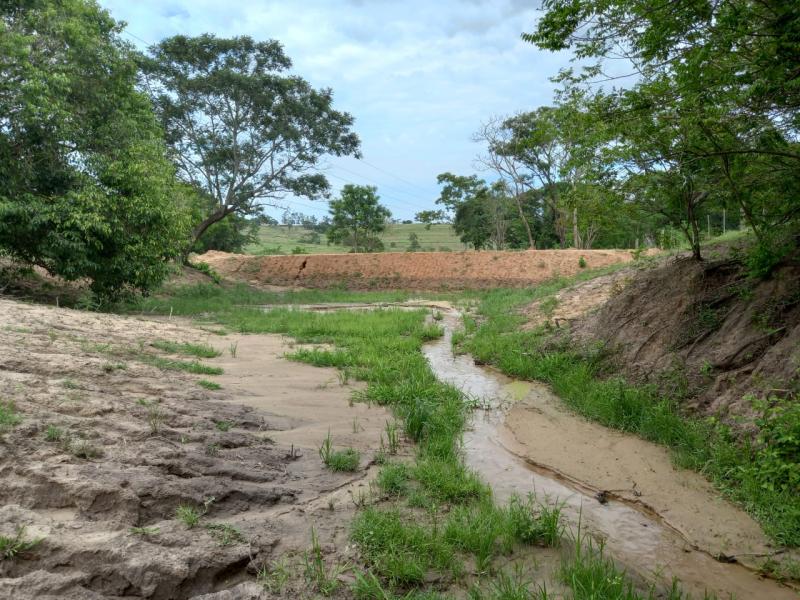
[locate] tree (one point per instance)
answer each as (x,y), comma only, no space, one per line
(431,217)
(356,216)
(240,128)
(86,190)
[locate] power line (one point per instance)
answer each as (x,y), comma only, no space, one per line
(392,175)
(392,198)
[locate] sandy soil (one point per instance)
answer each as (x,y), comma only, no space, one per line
(87,374)
(417,270)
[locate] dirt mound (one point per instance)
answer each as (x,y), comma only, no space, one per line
(704,331)
(417,270)
(103,445)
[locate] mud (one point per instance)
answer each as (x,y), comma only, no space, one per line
(88,375)
(417,270)
(655,520)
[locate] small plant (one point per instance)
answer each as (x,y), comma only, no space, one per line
(392,437)
(212,449)
(225,534)
(273,577)
(324,580)
(338,460)
(53,433)
(326,449)
(13,546)
(393,479)
(437,315)
(233,349)
(205,268)
(82,449)
(223,425)
(8,416)
(198,350)
(155,418)
(143,531)
(191,515)
(356,425)
(142,402)
(70,384)
(209,385)
(582,262)
(344,376)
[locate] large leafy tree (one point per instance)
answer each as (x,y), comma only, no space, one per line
(356,216)
(241,127)
(85,188)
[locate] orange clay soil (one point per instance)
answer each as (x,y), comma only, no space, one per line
(417,270)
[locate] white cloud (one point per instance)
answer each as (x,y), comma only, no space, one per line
(418,76)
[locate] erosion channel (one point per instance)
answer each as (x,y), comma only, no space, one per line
(642,539)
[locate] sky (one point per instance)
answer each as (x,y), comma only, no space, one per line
(419,77)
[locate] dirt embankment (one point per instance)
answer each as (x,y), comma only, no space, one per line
(703,331)
(104,446)
(417,270)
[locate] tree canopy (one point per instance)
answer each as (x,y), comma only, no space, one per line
(356,216)
(241,128)
(86,190)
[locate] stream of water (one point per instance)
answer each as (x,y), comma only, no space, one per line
(639,541)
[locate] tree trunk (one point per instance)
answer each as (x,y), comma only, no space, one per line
(214,217)
(531,243)
(576,236)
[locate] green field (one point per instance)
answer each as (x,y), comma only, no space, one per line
(280,239)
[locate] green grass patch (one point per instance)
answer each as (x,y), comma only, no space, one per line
(198,350)
(9,417)
(189,366)
(209,385)
(12,546)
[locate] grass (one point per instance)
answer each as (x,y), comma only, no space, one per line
(323,579)
(209,385)
(12,546)
(190,515)
(346,460)
(187,349)
(225,534)
(581,378)
(143,531)
(9,417)
(54,433)
(189,366)
(223,425)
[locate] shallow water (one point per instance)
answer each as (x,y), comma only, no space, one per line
(638,540)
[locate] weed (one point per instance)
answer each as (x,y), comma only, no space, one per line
(392,437)
(212,449)
(233,349)
(393,479)
(70,384)
(401,551)
(209,385)
(317,574)
(274,577)
(223,425)
(13,546)
(155,418)
(9,417)
(548,306)
(437,315)
(582,262)
(225,534)
(82,448)
(344,376)
(53,433)
(143,531)
(191,366)
(507,586)
(356,425)
(190,515)
(198,350)
(338,460)
(142,402)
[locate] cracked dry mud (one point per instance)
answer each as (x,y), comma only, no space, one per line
(87,375)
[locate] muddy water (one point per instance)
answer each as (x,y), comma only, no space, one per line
(639,540)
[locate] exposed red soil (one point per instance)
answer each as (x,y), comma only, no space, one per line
(418,270)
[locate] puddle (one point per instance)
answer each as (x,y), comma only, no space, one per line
(637,539)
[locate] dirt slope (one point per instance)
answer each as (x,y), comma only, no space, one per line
(88,375)
(412,270)
(706,331)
